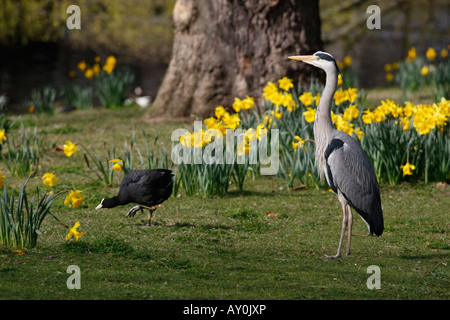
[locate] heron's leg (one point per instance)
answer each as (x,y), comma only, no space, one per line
(349,223)
(341,240)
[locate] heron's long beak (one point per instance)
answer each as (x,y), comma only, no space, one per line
(303,58)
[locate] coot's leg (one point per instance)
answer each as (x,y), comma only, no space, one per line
(133,211)
(150,214)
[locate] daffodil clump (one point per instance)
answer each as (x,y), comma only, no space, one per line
(409,133)
(395,136)
(21,218)
(103,76)
(418,71)
(214,178)
(94,70)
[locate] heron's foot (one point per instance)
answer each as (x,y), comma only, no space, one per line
(361,235)
(133,211)
(332,257)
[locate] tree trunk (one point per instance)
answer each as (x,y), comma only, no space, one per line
(229,48)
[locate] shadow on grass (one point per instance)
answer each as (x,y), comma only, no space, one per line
(430,256)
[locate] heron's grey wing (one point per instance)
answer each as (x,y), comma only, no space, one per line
(348,169)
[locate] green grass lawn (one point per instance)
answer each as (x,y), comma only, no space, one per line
(265,242)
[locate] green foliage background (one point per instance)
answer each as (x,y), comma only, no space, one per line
(145,29)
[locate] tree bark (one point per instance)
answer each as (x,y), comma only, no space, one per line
(231,48)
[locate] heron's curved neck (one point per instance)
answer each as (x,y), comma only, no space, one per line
(323,114)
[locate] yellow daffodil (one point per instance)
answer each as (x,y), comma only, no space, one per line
(408,109)
(73,232)
(444,105)
(110,64)
(389,77)
(117,164)
(186,140)
(288,102)
(389,107)
(244,104)
(431,54)
(74,198)
(70,149)
(343,125)
(424,71)
(352,94)
(340,96)
(243,147)
(309,114)
(378,115)
(317,98)
(367,116)
(1,180)
(219,112)
(248,103)
(278,114)
(267,120)
(306,98)
(388,67)
(351,113)
(347,61)
(444,53)
(231,121)
(261,130)
(359,133)
(285,83)
(278,98)
(96,69)
(298,142)
(237,104)
(49,179)
(340,80)
(405,123)
(270,90)
(407,169)
(111,60)
(89,73)
(197,139)
(81,65)
(412,54)
(2,136)
(19,252)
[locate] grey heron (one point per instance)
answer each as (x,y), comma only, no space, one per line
(341,159)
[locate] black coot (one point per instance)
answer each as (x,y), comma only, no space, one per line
(146,188)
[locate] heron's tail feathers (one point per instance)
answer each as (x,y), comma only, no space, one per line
(377,226)
(374,221)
